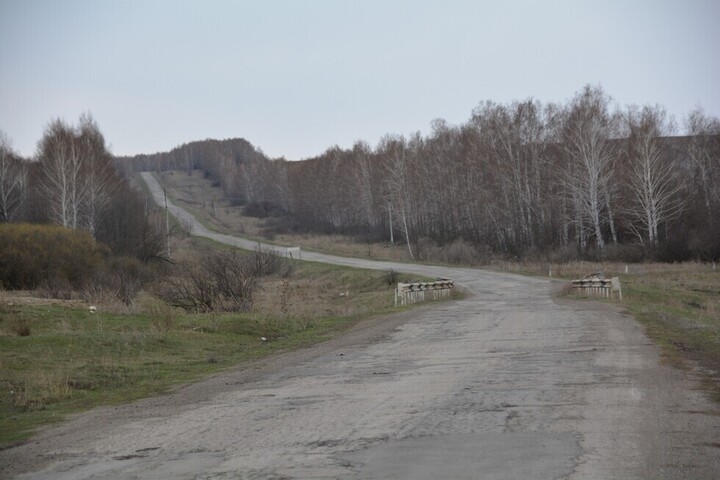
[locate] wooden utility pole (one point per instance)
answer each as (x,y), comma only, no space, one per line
(167,223)
(392,240)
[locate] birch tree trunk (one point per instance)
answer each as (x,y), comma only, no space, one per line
(653,179)
(588,134)
(76,177)
(398,171)
(13,181)
(56,152)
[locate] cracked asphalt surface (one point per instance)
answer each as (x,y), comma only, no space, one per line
(508,383)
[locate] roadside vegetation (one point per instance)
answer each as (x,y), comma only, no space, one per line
(100,304)
(58,357)
(197,193)
(518,179)
(517,188)
(678,303)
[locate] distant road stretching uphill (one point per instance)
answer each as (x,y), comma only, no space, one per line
(506,384)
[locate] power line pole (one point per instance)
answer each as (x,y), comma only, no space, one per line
(167,223)
(392,240)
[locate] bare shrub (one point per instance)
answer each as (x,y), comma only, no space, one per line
(457,252)
(624,253)
(461,252)
(55,287)
(224,282)
(564,254)
(196,290)
(119,281)
(391,277)
(268,263)
(33,254)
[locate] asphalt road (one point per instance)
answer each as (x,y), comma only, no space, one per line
(508,383)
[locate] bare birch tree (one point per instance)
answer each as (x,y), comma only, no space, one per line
(99,178)
(653,179)
(398,170)
(59,170)
(518,178)
(588,136)
(515,138)
(703,151)
(13,181)
(362,179)
(76,178)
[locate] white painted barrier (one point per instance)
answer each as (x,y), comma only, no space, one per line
(407,293)
(598,286)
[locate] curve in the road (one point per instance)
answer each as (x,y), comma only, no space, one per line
(505,384)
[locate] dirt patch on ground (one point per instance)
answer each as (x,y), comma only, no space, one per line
(26,298)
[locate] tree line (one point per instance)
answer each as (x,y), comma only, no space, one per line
(587,178)
(72,182)
(584,179)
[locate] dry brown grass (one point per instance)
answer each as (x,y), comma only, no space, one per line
(197,194)
(27,297)
(578,269)
(208,203)
(345,245)
(38,390)
(317,293)
(311,292)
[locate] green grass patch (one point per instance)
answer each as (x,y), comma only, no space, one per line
(681,312)
(679,305)
(56,360)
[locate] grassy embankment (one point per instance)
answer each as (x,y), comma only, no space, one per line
(58,358)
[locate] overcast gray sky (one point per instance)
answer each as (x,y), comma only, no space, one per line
(295,77)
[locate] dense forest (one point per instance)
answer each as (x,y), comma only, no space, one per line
(585,179)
